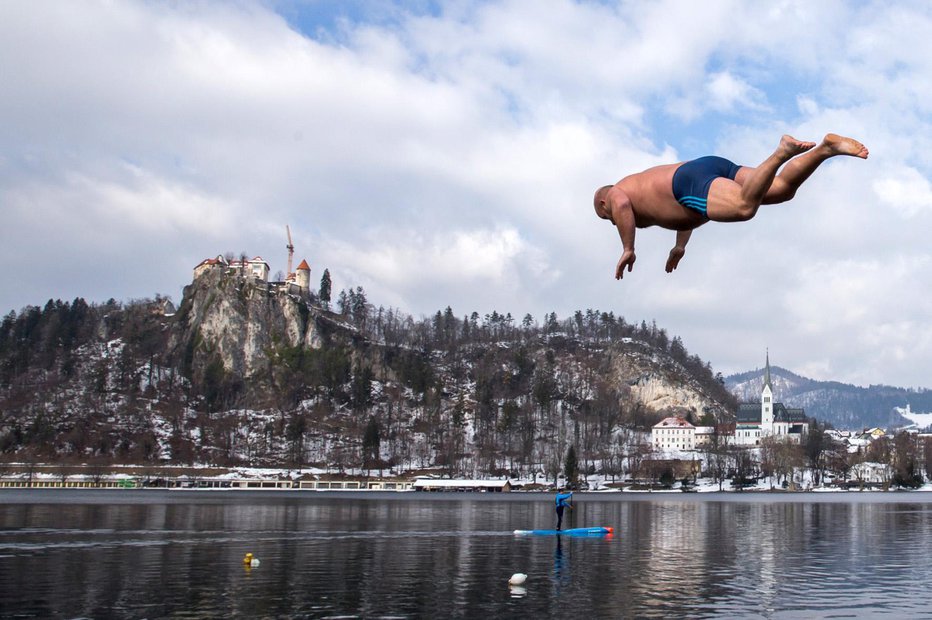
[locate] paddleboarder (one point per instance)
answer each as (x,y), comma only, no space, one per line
(563,500)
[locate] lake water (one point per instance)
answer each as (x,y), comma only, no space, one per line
(178,554)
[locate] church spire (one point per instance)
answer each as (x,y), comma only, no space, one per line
(767,372)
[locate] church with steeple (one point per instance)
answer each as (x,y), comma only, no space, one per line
(754,421)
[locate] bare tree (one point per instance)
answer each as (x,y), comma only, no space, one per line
(719,455)
(906,453)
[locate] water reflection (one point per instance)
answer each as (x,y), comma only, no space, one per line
(181,555)
(560,567)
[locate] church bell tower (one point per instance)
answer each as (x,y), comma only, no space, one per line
(766,402)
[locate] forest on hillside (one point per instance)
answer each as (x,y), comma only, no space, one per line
(128,383)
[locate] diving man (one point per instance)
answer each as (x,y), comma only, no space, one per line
(686,195)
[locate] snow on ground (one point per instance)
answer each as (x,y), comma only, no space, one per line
(921,420)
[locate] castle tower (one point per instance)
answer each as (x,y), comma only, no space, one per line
(303,276)
(766,402)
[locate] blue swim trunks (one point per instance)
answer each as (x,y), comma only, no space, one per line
(692,180)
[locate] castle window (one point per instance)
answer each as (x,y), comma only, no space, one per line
(766,399)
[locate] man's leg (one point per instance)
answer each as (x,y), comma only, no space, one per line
(798,169)
(738,200)
(559,516)
(727,205)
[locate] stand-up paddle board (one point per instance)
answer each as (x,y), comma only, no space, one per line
(578,531)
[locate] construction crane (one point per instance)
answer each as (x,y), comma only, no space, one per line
(290,247)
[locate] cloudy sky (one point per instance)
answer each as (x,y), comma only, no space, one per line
(445,153)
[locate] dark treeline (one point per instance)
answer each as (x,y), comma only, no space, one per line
(47,338)
(444,332)
(62,365)
(490,393)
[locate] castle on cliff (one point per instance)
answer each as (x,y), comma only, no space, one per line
(297,281)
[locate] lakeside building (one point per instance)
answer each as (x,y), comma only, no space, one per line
(673,433)
(123,481)
(444,484)
(755,421)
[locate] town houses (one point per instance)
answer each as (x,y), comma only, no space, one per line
(753,422)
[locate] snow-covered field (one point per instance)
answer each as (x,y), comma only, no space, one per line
(920,420)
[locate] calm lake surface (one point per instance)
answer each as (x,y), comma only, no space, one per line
(178,554)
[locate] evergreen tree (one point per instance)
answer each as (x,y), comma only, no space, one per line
(325,285)
(571,466)
(361,391)
(371,442)
(359,306)
(528,322)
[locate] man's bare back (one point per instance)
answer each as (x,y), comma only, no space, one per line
(686,195)
(651,196)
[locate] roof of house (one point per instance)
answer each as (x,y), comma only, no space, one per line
(304,266)
(459,484)
(788,414)
(673,422)
(750,413)
(211,261)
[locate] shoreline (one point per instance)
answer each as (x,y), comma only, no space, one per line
(237,479)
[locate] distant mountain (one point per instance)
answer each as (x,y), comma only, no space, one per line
(842,405)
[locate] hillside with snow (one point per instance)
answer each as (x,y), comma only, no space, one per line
(843,406)
(245,373)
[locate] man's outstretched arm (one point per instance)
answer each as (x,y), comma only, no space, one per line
(682,238)
(623,217)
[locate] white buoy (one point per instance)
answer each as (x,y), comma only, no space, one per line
(517,579)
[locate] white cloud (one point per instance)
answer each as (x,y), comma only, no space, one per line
(726,92)
(467,269)
(906,191)
(450,158)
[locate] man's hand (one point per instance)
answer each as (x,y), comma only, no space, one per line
(674,259)
(627,260)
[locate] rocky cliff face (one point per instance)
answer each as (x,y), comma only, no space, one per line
(662,385)
(242,320)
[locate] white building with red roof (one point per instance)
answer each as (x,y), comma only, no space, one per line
(673,433)
(209,263)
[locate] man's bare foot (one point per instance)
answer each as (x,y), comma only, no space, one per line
(840,145)
(791,147)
